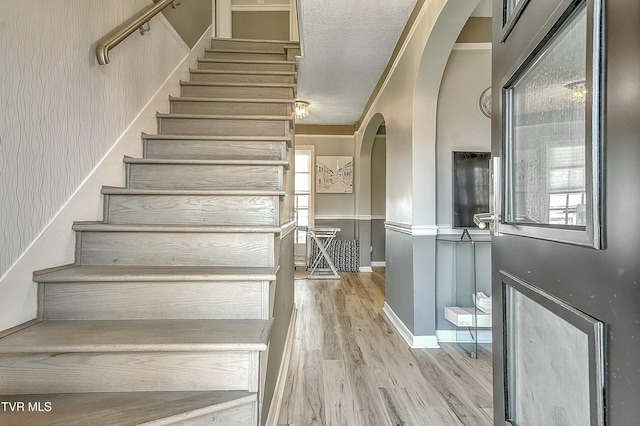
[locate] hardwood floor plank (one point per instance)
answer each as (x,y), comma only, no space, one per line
(454,393)
(350,348)
(341,407)
(286,414)
(312,392)
(368,397)
(331,347)
(349,366)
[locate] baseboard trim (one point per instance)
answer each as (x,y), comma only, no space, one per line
(365,269)
(382,264)
(278,392)
(19,327)
(415,342)
(449,336)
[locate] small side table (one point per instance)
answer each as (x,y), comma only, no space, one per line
(324,238)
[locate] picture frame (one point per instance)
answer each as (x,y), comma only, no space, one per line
(334,174)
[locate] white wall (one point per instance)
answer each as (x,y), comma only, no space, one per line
(61,114)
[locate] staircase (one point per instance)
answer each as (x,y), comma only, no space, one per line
(166,316)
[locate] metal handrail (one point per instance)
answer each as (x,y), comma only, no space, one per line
(136,22)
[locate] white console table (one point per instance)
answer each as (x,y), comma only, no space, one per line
(467,319)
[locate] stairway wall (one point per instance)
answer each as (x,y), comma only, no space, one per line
(66,124)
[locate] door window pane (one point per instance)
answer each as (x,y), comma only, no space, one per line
(546,148)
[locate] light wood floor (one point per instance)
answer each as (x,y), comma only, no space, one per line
(349,366)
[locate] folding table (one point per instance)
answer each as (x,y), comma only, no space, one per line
(324,238)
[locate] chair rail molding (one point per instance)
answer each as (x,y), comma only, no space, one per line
(409,229)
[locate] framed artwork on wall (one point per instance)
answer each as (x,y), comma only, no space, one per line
(334,175)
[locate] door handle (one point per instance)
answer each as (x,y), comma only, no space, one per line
(493,217)
(482,219)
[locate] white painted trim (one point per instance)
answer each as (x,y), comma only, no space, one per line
(413,230)
(281,381)
(402,228)
(260,8)
(449,336)
(223,18)
(294,30)
(365,269)
(335,217)
(325,136)
(448,230)
(350,217)
(415,342)
(375,264)
(287,228)
(472,46)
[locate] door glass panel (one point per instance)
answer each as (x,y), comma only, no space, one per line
(554,359)
(547,165)
(548,366)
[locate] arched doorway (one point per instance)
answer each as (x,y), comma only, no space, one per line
(367,193)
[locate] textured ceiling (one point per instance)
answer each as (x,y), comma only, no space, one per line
(347,45)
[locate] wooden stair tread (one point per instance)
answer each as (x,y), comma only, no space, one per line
(139,336)
(236,100)
(112,190)
(132,160)
(225,117)
(243,72)
(256,138)
(108,227)
(84,273)
(246,61)
(223,84)
(255,40)
(124,409)
(222,50)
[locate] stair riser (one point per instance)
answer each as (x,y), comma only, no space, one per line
(214,150)
(237,92)
(176,176)
(248,45)
(175,249)
(127,372)
(219,127)
(156,300)
(234,66)
(192,209)
(246,56)
(179,106)
(242,78)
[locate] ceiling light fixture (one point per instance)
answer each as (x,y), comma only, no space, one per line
(302,109)
(578,89)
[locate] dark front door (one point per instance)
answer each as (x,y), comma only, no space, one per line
(566,245)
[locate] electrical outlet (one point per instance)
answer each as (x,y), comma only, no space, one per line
(260,1)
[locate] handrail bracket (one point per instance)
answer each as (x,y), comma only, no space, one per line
(140,22)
